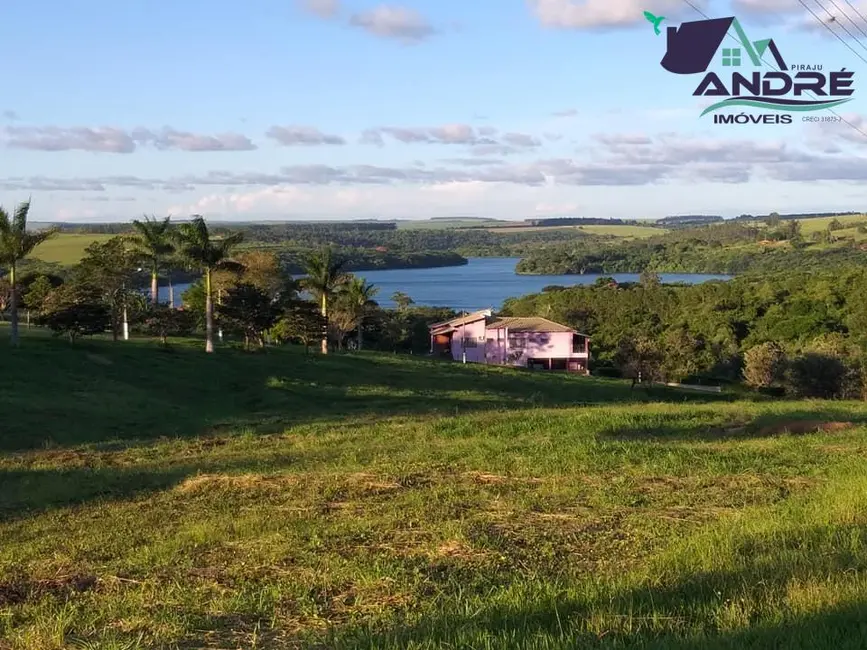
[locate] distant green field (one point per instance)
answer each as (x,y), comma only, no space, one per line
(809,226)
(66,248)
(634,232)
(428,224)
(631,232)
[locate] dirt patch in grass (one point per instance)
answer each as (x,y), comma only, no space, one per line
(805,426)
(205,483)
(14,592)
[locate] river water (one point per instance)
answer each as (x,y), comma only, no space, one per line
(484,282)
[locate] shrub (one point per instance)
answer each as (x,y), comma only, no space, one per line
(764,365)
(816,375)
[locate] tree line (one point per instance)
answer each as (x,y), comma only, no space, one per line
(241,292)
(732,247)
(815,322)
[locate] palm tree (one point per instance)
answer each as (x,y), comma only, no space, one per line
(199,250)
(16,244)
(325,276)
(152,243)
(357,298)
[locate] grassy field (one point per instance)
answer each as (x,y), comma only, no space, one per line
(166,499)
(627,232)
(442,224)
(809,226)
(66,248)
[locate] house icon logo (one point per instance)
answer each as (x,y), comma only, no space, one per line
(691,48)
(750,73)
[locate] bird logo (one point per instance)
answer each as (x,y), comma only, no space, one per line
(654,21)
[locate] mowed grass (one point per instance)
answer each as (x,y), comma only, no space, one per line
(153,499)
(66,248)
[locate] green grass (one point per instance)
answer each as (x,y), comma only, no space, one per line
(631,232)
(443,224)
(66,248)
(626,232)
(809,226)
(153,499)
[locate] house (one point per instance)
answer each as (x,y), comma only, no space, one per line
(531,342)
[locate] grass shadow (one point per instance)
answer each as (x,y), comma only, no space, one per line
(823,417)
(56,395)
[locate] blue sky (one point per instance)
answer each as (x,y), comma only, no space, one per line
(327,109)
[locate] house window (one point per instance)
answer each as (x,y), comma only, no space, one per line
(579,344)
(731,56)
(518,342)
(470,343)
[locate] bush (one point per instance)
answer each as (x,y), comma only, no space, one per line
(75,309)
(816,375)
(163,321)
(764,365)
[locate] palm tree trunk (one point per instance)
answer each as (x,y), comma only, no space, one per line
(155,287)
(13,304)
(324,324)
(171,293)
(125,323)
(359,334)
(220,302)
(209,314)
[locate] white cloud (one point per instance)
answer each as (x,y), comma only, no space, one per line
(594,14)
(114,140)
(394,22)
(302,135)
(321,8)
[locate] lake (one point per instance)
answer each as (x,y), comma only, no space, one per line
(484,282)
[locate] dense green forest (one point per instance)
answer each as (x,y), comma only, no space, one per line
(733,247)
(704,332)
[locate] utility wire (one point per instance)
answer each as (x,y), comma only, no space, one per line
(827,26)
(775,69)
(860,15)
(851,20)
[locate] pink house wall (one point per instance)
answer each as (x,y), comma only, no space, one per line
(475,333)
(537,345)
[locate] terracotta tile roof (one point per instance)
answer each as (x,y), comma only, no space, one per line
(462,320)
(530,324)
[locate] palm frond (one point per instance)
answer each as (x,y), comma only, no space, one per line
(19,223)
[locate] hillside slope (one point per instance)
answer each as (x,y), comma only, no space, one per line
(155,499)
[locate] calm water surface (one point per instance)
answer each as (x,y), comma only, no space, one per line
(484,282)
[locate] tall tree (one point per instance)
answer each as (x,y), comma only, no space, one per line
(153,244)
(250,311)
(16,244)
(200,250)
(402,300)
(325,276)
(110,266)
(357,300)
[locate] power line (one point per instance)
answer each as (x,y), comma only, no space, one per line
(860,15)
(854,24)
(828,27)
(833,19)
(772,67)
